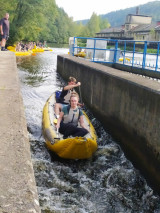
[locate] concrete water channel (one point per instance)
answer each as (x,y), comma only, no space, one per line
(108,182)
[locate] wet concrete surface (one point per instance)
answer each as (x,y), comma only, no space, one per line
(18,192)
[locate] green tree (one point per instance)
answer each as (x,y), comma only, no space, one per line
(93,25)
(80,30)
(27,22)
(48,27)
(103,23)
(65,27)
(7,6)
(152,35)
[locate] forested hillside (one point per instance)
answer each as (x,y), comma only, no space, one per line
(117,18)
(43,20)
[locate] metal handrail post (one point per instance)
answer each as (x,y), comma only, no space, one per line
(94,49)
(134,46)
(157,57)
(73,46)
(144,55)
(124,52)
(115,53)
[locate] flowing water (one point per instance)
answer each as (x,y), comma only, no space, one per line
(106,183)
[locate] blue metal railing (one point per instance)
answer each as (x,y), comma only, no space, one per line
(128,52)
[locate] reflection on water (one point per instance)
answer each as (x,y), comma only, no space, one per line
(106,183)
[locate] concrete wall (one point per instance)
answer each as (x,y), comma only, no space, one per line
(18,192)
(135,70)
(128,107)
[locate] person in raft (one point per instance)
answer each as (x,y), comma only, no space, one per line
(69,117)
(65,95)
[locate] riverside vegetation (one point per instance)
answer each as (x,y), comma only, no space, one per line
(41,20)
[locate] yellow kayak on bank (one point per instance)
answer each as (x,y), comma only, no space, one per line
(71,147)
(11,48)
(80,54)
(47,49)
(19,53)
(37,50)
(27,53)
(126,59)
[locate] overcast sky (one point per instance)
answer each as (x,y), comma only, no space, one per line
(83,9)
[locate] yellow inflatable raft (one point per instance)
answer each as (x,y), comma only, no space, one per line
(47,49)
(37,50)
(11,48)
(70,148)
(126,59)
(27,53)
(80,54)
(19,53)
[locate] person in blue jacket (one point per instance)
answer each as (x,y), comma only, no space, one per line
(65,95)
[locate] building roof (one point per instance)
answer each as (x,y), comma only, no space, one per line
(112,30)
(138,15)
(139,28)
(157,27)
(143,27)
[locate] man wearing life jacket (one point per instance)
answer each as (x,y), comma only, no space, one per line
(69,117)
(65,95)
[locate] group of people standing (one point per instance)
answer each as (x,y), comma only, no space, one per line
(23,47)
(68,111)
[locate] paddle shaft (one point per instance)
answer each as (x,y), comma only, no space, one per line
(80,94)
